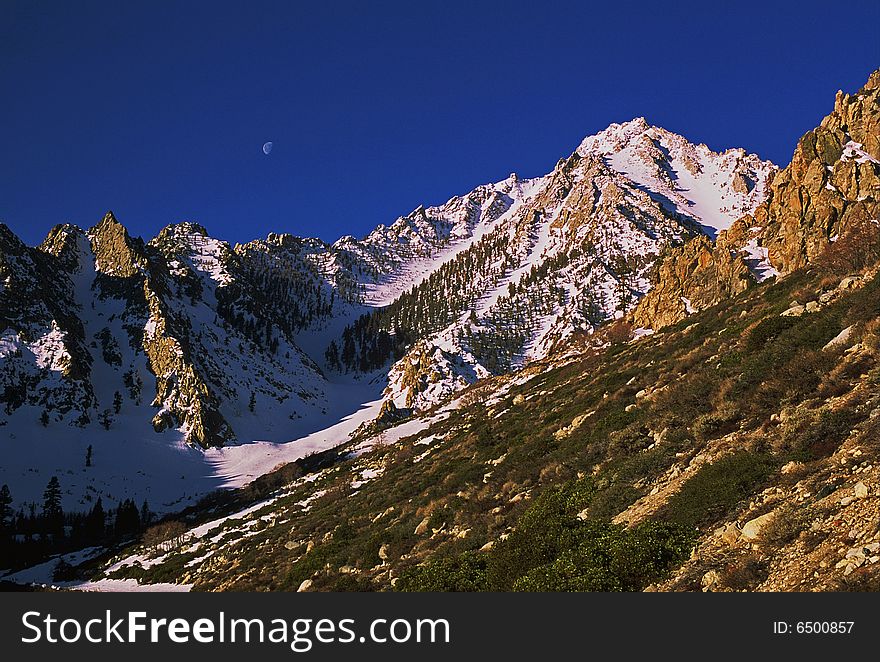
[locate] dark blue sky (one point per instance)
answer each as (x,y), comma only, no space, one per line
(158,110)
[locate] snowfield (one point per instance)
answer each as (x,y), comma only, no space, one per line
(144,465)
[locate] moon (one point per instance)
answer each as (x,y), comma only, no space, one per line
(267,147)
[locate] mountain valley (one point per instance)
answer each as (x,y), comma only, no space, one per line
(654,367)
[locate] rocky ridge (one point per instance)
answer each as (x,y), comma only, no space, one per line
(103,307)
(578,251)
(831,187)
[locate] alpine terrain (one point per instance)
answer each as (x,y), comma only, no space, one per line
(654,367)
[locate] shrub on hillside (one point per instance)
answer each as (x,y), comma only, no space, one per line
(166,535)
(856,249)
(786,525)
(717,423)
(814,435)
(768,330)
(553,549)
(716,488)
(631,439)
(462,573)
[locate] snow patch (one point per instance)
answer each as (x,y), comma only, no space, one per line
(758,260)
(853,151)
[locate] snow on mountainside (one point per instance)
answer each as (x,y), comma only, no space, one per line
(578,251)
(402,254)
(149,350)
(714,189)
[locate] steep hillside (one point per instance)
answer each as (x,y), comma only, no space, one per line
(747,432)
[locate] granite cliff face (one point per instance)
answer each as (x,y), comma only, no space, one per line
(833,182)
(690,278)
(831,187)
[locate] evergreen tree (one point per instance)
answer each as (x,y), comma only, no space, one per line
(146,514)
(117,402)
(625,276)
(252,403)
(53,515)
(128,519)
(96,521)
(63,572)
(332,355)
(6,513)
(89,456)
(30,523)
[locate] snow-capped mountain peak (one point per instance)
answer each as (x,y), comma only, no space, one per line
(711,188)
(614,138)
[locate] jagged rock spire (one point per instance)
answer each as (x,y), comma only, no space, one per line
(115,253)
(833,181)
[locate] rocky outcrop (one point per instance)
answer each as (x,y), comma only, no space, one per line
(831,186)
(44,359)
(126,271)
(183,396)
(690,278)
(62,244)
(115,251)
(417,372)
(833,182)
